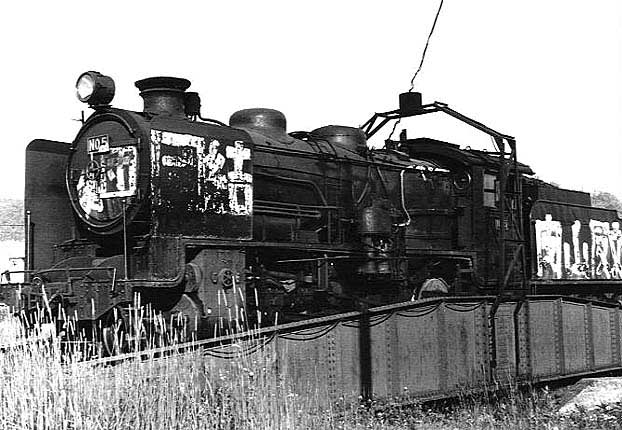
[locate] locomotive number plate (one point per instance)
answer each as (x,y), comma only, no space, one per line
(98,144)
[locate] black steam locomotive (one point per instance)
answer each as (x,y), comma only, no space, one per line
(216,222)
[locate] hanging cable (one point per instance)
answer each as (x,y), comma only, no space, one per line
(425,50)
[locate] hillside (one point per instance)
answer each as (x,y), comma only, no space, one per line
(11,220)
(602,199)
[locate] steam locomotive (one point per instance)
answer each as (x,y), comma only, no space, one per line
(212,222)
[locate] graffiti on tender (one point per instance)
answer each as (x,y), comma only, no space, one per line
(549,245)
(221,180)
(578,251)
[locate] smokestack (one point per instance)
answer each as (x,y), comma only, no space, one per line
(163,95)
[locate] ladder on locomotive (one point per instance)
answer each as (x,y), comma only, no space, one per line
(511,213)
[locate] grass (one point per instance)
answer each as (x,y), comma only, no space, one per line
(41,387)
(41,390)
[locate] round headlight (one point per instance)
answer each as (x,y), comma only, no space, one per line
(85,87)
(95,89)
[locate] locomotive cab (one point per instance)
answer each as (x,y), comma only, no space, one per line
(476,182)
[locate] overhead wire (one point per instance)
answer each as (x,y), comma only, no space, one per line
(425,50)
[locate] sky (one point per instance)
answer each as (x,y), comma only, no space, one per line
(546,72)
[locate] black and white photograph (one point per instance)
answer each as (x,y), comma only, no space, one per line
(311,215)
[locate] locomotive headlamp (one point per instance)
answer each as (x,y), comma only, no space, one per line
(95,89)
